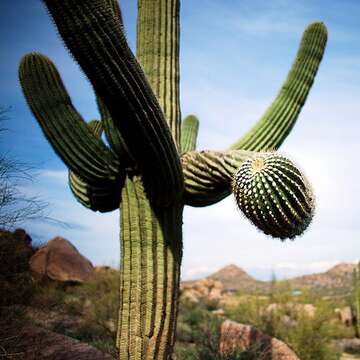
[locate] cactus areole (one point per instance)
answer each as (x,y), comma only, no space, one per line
(151,168)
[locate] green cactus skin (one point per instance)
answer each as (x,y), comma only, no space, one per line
(151,252)
(274,195)
(276,123)
(147,171)
(62,124)
(114,5)
(98,198)
(208,174)
(117,143)
(117,77)
(273,127)
(157,49)
(356,287)
(189,133)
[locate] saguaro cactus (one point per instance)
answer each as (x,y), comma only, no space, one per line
(151,168)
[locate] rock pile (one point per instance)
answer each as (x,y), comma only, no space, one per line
(59,260)
(202,290)
(235,336)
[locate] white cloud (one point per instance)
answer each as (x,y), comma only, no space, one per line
(197,272)
(265,24)
(61,175)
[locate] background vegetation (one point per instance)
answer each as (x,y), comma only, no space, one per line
(88,312)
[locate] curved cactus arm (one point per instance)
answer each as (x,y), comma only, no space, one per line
(268,188)
(62,124)
(114,4)
(274,195)
(189,133)
(113,135)
(96,127)
(103,196)
(276,123)
(208,174)
(96,40)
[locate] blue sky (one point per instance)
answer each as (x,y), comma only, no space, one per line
(234,57)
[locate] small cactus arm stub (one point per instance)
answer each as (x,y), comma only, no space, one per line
(151,168)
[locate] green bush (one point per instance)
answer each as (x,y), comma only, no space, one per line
(283,316)
(198,336)
(16,285)
(94,306)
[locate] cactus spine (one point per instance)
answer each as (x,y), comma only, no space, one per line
(274,195)
(152,168)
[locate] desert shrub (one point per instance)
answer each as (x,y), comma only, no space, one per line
(96,304)
(48,294)
(283,316)
(249,310)
(12,319)
(97,300)
(198,335)
(16,286)
(310,337)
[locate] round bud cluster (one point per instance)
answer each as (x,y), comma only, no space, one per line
(274,195)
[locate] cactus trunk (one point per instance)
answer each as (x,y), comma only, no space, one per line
(151,236)
(151,251)
(157,50)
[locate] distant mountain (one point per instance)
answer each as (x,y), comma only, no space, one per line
(338,278)
(234,278)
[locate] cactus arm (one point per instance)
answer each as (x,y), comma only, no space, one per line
(114,4)
(96,128)
(208,174)
(189,133)
(96,40)
(113,135)
(276,123)
(61,123)
(104,196)
(274,195)
(268,188)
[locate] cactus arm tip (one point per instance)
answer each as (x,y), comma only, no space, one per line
(273,194)
(280,117)
(189,133)
(269,189)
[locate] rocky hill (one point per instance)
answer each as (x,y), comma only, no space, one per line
(234,278)
(338,278)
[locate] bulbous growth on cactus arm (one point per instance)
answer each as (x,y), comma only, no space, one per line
(274,195)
